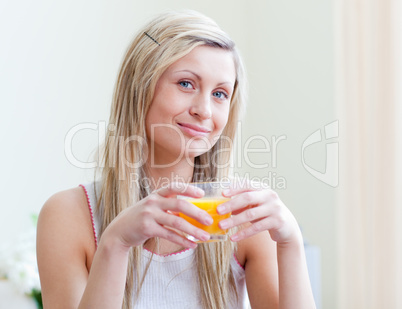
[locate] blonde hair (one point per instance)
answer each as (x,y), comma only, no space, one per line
(176,34)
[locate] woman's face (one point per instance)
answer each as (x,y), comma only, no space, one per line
(191,105)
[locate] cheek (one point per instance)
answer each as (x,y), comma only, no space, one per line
(149,120)
(222,118)
(158,112)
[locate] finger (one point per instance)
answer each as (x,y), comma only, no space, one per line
(180,188)
(182,225)
(255,228)
(246,199)
(251,214)
(174,237)
(244,185)
(185,207)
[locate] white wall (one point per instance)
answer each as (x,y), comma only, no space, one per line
(58,64)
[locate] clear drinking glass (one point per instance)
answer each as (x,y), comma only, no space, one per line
(209,202)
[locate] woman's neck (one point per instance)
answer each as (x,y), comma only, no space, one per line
(180,172)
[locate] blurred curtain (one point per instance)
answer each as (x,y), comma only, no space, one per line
(368,88)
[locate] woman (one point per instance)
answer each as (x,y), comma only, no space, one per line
(178,97)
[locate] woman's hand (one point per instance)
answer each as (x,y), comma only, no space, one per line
(263,209)
(157,216)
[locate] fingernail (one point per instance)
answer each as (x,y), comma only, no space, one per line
(208,220)
(224,225)
(234,237)
(221,209)
(193,245)
(226,192)
(205,236)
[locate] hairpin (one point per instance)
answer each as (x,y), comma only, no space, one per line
(152,38)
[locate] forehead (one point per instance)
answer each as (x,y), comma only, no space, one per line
(213,62)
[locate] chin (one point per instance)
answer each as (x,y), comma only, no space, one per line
(191,155)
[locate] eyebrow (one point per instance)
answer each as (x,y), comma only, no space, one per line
(199,77)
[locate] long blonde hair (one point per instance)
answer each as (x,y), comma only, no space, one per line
(174,35)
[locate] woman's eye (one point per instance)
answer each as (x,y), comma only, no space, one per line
(185,84)
(220,95)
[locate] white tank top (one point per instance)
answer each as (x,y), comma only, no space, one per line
(171,280)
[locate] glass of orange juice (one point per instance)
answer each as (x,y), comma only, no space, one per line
(209,202)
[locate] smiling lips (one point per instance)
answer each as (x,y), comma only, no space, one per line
(193,130)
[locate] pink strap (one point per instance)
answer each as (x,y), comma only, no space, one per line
(237,261)
(92,215)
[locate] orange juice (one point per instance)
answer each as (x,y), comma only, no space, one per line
(209,205)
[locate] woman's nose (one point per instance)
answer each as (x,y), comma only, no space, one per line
(201,107)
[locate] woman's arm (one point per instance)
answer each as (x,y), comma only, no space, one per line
(73,275)
(106,283)
(270,225)
(276,274)
(258,255)
(294,283)
(65,248)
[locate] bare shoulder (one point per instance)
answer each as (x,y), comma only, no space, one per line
(65,220)
(66,209)
(65,248)
(71,199)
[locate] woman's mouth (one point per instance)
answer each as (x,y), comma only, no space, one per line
(193,130)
